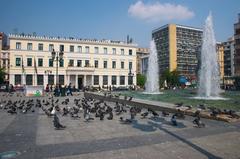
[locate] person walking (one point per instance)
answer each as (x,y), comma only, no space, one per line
(69,91)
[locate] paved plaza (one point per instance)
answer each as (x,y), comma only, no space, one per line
(32,135)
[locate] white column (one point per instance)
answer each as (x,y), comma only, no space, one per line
(92,80)
(45,80)
(118,81)
(11,79)
(76,81)
(68,79)
(35,79)
(65,79)
(101,80)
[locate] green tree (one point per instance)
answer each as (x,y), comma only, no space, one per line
(141,79)
(2,75)
(170,77)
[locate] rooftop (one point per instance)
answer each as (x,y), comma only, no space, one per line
(70,39)
(177,25)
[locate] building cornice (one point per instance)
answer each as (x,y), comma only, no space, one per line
(71,40)
(177,25)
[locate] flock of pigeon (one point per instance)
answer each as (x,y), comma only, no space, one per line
(90,109)
(212,110)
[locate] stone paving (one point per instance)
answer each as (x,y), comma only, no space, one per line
(33,136)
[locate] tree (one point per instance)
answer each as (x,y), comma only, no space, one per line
(141,79)
(170,77)
(2,75)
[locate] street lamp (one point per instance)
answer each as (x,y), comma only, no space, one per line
(57,56)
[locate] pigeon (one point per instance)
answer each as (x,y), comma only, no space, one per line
(144,115)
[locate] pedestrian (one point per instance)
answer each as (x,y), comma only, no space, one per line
(69,91)
(51,88)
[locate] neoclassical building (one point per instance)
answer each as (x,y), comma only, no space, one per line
(84,63)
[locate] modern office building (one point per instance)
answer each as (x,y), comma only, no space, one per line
(85,62)
(229,57)
(4,55)
(142,56)
(178,48)
(237,47)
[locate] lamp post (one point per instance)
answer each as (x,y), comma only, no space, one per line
(57,56)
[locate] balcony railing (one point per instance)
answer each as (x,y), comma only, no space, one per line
(4,56)
(75,68)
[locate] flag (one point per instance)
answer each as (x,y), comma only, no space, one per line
(35,66)
(23,69)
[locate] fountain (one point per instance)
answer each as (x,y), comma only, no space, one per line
(209,76)
(152,83)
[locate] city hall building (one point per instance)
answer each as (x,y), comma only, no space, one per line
(84,62)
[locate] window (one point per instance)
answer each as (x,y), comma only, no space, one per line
(104,64)
(87,64)
(114,80)
(122,65)
(39,79)
(105,50)
(105,80)
(51,47)
(96,80)
(130,65)
(71,48)
(40,62)
(18,61)
(71,63)
(50,63)
(61,79)
(130,51)
(87,49)
(79,63)
(29,79)
(80,49)
(96,63)
(18,79)
(61,63)
(40,47)
(130,80)
(96,50)
(51,79)
(122,51)
(114,50)
(29,46)
(61,47)
(122,80)
(113,64)
(18,45)
(29,61)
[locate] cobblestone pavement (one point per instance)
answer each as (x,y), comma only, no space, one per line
(33,136)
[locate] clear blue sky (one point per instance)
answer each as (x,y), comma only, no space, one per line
(112,19)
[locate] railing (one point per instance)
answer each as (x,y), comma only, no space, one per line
(75,68)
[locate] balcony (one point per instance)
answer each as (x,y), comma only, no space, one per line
(4,56)
(81,69)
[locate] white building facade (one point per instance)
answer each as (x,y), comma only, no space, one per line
(85,62)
